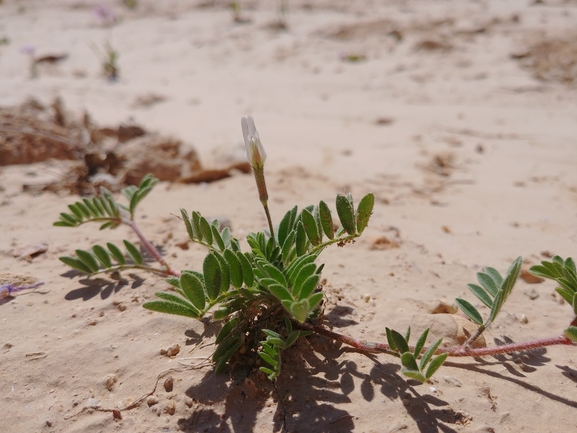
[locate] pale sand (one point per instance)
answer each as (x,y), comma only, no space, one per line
(508,188)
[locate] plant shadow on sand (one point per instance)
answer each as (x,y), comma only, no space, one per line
(305,396)
(92,287)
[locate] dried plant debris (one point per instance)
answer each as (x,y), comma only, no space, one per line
(551,59)
(90,156)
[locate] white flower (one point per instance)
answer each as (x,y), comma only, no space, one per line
(255,153)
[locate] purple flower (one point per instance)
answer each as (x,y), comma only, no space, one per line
(7,289)
(28,49)
(106,15)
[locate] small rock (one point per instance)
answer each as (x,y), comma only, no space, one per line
(521,318)
(366,297)
(48,423)
(383,243)
(452,381)
(440,307)
(530,278)
(92,402)
(183,244)
(170,407)
(169,384)
(152,400)
(171,351)
(188,402)
(111,380)
(532,294)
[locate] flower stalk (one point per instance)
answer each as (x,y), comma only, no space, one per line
(256,156)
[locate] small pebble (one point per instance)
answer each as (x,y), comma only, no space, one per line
(532,294)
(171,351)
(366,297)
(522,318)
(48,423)
(111,380)
(169,384)
(170,407)
(152,400)
(452,380)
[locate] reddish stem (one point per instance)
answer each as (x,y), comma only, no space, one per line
(369,347)
(153,252)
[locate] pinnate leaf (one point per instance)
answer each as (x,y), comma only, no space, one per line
(471,312)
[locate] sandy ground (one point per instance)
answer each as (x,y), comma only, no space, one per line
(471,154)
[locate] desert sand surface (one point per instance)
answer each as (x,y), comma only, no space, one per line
(460,116)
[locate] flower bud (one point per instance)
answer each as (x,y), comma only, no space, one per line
(255,153)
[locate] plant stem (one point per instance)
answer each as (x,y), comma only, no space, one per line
(369,347)
(152,250)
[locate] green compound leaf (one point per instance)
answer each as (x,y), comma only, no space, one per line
(116,253)
(76,211)
(308,286)
(212,276)
(435,365)
(311,227)
(187,224)
(300,310)
(488,283)
(268,359)
(302,275)
(421,343)
(196,225)
(470,311)
(364,212)
(225,351)
(280,292)
(481,294)
(102,255)
(295,267)
(390,339)
(225,330)
(217,237)
(326,220)
(400,342)
(414,374)
(567,294)
(133,252)
(193,289)
(234,267)
(247,272)
(495,275)
(409,362)
(346,212)
(571,333)
(286,225)
(109,224)
(301,240)
(429,353)
(206,230)
(170,308)
(75,263)
(314,300)
(225,279)
(88,259)
(69,219)
(287,250)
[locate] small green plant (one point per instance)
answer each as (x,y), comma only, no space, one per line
(270,296)
(109,57)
